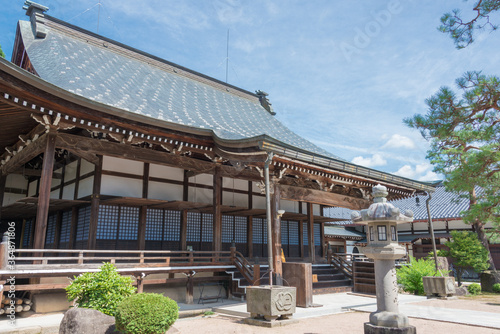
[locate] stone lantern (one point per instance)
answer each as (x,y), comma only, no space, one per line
(382,219)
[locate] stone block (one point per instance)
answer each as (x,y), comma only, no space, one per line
(271,302)
(440,286)
(372,329)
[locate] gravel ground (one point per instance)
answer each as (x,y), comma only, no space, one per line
(351,322)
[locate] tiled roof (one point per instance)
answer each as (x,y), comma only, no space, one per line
(342,232)
(443,205)
(138,85)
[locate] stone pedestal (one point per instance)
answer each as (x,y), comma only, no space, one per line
(271,302)
(435,286)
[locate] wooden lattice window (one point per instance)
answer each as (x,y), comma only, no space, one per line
(65,228)
(227,229)
(82,228)
(305,239)
(317,234)
(193,227)
(28,227)
(107,223)
(284,232)
(50,234)
(293,233)
(240,229)
(129,223)
(207,227)
(154,225)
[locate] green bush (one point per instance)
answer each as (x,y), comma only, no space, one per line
(410,276)
(496,287)
(146,313)
(474,289)
(101,291)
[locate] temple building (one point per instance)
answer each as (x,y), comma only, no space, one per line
(104,147)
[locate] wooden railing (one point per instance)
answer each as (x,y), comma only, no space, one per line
(68,258)
(342,262)
(249,271)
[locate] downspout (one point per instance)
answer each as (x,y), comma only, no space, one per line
(268,217)
(432,231)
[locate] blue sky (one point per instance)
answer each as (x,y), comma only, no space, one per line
(342,74)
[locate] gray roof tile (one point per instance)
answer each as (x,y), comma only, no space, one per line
(105,76)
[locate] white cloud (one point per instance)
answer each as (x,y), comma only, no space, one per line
(421,172)
(375,160)
(399,141)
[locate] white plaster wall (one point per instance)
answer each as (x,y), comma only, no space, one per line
(9,198)
(165,191)
(56,182)
(32,188)
(439,225)
(85,187)
(255,189)
(123,165)
(54,194)
(422,227)
(120,186)
(259,202)
(200,195)
(166,172)
(238,184)
(316,210)
(16,181)
(70,171)
(240,200)
(69,191)
(404,227)
(288,206)
(86,167)
(206,179)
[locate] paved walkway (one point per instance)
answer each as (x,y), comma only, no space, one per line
(331,304)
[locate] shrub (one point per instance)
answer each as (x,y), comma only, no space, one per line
(496,287)
(474,289)
(410,276)
(101,291)
(146,313)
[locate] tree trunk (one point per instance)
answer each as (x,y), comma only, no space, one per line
(479,227)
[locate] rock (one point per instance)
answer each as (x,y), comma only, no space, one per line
(461,291)
(83,320)
(488,278)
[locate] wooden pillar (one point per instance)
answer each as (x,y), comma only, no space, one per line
(44,192)
(185,187)
(217,202)
(301,238)
(57,234)
(322,236)
(250,236)
(77,179)
(94,205)
(184,214)
(61,185)
(189,289)
(250,221)
(276,234)
(310,231)
(141,235)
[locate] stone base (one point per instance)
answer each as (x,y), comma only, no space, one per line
(269,323)
(372,329)
(389,319)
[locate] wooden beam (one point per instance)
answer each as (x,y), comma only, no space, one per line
(44,192)
(184,230)
(75,143)
(28,153)
(322,197)
(35,172)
